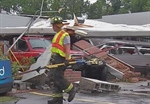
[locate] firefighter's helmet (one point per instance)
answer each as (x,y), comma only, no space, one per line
(56,19)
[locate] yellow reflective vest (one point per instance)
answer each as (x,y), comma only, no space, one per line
(57,43)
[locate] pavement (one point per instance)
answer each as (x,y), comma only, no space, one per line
(130,93)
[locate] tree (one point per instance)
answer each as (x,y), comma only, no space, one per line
(74,6)
(116,4)
(107,8)
(79,7)
(86,8)
(69,7)
(21,6)
(125,6)
(54,5)
(137,5)
(95,10)
(147,6)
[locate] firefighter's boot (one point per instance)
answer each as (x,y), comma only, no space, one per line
(71,93)
(56,101)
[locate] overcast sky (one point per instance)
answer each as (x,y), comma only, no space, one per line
(92,1)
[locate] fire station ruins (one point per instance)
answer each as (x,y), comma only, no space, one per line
(106,61)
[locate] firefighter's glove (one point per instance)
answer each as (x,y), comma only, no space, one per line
(66,62)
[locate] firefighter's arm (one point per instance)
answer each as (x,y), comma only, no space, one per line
(66,43)
(67,50)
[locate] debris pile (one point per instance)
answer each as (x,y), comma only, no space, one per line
(133,77)
(125,68)
(129,74)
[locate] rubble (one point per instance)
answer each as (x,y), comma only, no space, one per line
(110,60)
(120,69)
(19,85)
(127,69)
(90,85)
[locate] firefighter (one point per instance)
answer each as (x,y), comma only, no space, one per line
(60,53)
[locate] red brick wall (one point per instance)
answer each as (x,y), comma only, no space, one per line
(72,76)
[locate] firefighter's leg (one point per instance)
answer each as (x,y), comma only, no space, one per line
(71,90)
(61,83)
(64,85)
(57,92)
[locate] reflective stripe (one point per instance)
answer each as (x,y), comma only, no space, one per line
(57,95)
(69,88)
(57,43)
(58,46)
(59,36)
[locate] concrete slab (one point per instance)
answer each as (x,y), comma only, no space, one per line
(88,84)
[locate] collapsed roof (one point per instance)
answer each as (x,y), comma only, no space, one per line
(92,27)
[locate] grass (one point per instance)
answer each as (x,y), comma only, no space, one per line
(6,98)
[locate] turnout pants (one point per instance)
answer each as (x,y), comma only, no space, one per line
(57,79)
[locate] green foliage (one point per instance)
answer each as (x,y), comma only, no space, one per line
(2,56)
(95,10)
(79,7)
(116,4)
(23,6)
(134,6)
(27,61)
(147,6)
(15,68)
(137,5)
(123,10)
